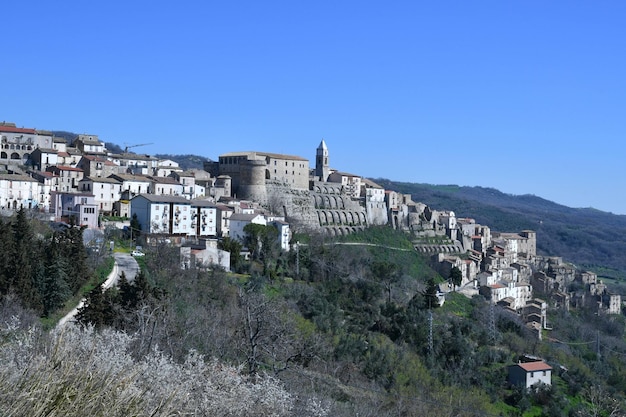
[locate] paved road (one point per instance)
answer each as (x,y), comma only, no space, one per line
(123,263)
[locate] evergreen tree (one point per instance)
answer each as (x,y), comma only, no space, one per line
(56,289)
(99,308)
(6,245)
(430,294)
(456,276)
(24,258)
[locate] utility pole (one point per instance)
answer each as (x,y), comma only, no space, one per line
(297,259)
(430,332)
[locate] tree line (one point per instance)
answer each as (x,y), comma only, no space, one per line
(41,266)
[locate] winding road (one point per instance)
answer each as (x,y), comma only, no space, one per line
(123,263)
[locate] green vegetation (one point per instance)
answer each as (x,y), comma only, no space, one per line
(342,328)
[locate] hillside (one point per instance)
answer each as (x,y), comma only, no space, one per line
(587,237)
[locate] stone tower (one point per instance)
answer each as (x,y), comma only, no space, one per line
(322,169)
(252,180)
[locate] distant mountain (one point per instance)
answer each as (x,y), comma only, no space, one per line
(587,237)
(186,161)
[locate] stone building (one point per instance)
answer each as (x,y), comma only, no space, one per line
(249,172)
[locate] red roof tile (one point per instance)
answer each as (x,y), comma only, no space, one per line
(534,366)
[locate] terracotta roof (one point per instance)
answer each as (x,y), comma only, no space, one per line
(12,129)
(534,366)
(64,168)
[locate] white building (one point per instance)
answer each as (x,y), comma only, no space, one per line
(239,220)
(165,186)
(527,374)
(162,214)
(204,218)
(350,182)
(134,184)
(106,191)
(79,206)
(17,191)
(284,233)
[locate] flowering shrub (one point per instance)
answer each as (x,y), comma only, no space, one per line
(82,372)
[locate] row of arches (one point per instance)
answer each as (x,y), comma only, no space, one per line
(341,217)
(14,155)
(438,249)
(17,147)
(329,202)
(328,189)
(342,231)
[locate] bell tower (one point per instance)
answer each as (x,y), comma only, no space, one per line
(322,168)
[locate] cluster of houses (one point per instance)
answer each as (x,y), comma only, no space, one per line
(82,180)
(194,208)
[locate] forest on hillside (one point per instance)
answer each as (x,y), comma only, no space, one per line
(334,329)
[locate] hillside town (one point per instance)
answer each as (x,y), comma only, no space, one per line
(83,183)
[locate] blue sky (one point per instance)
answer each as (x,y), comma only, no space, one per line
(528,97)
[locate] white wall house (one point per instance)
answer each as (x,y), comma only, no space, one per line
(239,220)
(204,218)
(224,214)
(165,186)
(520,292)
(351,182)
(527,374)
(165,167)
(284,233)
(161,214)
(17,191)
(187,180)
(193,257)
(79,206)
(134,184)
(106,192)
(66,178)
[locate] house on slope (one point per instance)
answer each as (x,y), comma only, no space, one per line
(527,374)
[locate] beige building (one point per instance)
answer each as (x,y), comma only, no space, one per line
(255,168)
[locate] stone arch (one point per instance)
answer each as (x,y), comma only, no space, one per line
(15,155)
(362,218)
(333,202)
(335,217)
(318,201)
(3,155)
(327,202)
(317,189)
(342,217)
(351,218)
